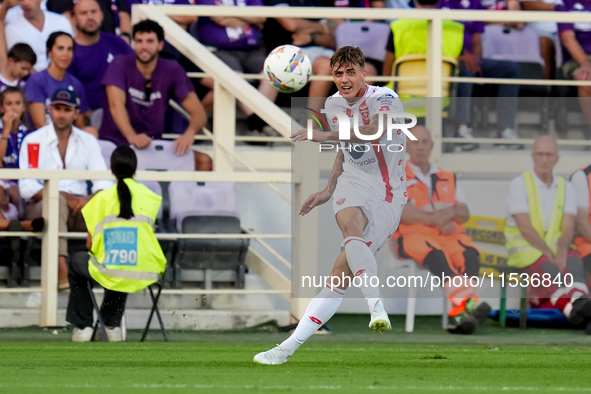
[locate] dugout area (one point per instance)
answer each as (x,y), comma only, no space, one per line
(349,359)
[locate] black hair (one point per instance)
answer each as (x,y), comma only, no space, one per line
(348,56)
(148,26)
(21,52)
(53,36)
(123,165)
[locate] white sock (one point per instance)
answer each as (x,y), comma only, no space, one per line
(363,264)
(318,312)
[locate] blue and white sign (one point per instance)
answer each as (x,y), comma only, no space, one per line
(120,246)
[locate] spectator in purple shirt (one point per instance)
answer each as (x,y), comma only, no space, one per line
(116,15)
(40,86)
(94,50)
(576,44)
(236,41)
(137,92)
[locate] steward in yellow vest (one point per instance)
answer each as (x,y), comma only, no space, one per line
(125,255)
(541,208)
(521,252)
(431,233)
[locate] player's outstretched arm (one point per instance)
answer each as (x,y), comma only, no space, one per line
(371,131)
(323,196)
(317,136)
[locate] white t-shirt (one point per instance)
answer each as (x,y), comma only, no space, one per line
(516,201)
(427,181)
(581,185)
(16,11)
(377,166)
(19,29)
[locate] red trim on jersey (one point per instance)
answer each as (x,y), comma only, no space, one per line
(383,170)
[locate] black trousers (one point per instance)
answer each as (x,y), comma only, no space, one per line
(79,311)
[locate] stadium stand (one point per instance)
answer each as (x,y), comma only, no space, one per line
(523,47)
(370,37)
(210,208)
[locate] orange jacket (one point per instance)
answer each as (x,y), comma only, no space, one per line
(443,195)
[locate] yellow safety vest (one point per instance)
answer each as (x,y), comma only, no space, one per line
(125,255)
(521,253)
(410,38)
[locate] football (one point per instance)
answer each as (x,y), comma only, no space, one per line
(287,68)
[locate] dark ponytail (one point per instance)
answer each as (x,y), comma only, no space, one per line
(123,165)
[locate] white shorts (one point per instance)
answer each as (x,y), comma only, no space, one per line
(383,217)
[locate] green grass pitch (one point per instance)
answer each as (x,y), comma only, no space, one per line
(349,360)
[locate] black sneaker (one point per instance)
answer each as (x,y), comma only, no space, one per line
(463,324)
(581,311)
(480,311)
(588,328)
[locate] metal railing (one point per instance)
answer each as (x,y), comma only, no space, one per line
(49,236)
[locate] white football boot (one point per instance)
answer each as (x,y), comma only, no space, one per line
(275,356)
(379,318)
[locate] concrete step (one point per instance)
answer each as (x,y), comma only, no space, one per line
(179,311)
(174,319)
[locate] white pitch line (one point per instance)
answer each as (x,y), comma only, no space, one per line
(292,387)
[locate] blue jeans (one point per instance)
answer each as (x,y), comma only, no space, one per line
(507,97)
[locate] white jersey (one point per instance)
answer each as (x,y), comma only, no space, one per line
(377,165)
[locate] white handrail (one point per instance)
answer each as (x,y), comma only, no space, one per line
(374,13)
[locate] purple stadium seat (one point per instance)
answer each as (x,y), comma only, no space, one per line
(370,37)
(521,46)
(159,155)
(210,208)
(156,188)
(211,199)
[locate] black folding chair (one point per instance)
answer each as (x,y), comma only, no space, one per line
(100,324)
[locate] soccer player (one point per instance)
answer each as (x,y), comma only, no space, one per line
(368,190)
